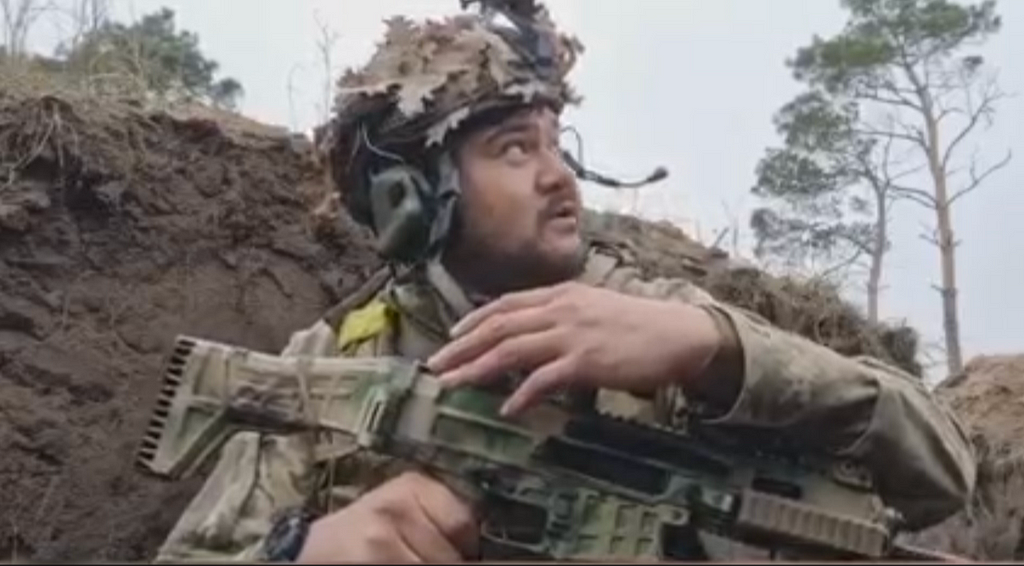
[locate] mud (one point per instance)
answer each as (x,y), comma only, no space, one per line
(120,229)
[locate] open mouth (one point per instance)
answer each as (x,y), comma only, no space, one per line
(565,211)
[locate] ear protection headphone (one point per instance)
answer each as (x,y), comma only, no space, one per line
(399,198)
(411,217)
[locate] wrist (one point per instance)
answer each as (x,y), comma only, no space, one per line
(719,382)
(698,340)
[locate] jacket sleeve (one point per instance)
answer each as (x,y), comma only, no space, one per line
(859,408)
(255,476)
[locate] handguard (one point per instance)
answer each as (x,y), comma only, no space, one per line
(554,484)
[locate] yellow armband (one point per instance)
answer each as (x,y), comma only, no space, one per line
(365,323)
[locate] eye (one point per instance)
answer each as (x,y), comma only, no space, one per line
(515,148)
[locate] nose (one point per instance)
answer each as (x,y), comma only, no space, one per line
(554,174)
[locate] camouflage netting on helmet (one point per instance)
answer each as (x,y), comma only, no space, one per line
(426,78)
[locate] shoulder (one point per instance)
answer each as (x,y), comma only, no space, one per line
(613,264)
(604,258)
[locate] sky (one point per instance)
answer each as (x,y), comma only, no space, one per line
(691,85)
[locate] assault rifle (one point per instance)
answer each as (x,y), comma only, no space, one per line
(554,484)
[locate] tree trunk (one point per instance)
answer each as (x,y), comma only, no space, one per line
(950,319)
(878,246)
(947,251)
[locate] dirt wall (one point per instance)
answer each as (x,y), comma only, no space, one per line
(989,397)
(120,229)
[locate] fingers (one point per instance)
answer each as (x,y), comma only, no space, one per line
(541,383)
(432,521)
(520,331)
(489,334)
(450,515)
(521,352)
(382,543)
(410,519)
(507,303)
(363,532)
(422,538)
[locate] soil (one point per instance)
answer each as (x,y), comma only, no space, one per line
(123,227)
(989,398)
(120,229)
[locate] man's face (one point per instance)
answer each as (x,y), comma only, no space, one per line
(520,210)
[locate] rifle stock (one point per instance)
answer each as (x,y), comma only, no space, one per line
(554,484)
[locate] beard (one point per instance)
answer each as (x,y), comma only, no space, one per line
(491,271)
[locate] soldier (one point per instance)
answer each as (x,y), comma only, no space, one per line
(446,144)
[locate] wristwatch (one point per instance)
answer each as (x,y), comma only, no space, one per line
(287,536)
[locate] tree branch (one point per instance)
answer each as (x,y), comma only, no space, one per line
(918,140)
(18,19)
(924,198)
(900,94)
(975,114)
(898,101)
(888,177)
(931,239)
(857,253)
(977,180)
(857,244)
(325,46)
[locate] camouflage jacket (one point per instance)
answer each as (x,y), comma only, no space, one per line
(852,408)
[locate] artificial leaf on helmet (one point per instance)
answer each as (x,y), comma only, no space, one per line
(437,132)
(427,77)
(528,91)
(415,93)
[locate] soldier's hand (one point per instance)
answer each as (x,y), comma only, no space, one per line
(574,335)
(410,519)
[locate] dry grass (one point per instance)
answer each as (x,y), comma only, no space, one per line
(815,309)
(45,130)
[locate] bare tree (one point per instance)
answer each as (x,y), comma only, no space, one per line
(87,17)
(18,18)
(325,47)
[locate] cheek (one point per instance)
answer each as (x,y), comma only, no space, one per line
(502,200)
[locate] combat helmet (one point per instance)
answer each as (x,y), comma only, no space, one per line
(386,147)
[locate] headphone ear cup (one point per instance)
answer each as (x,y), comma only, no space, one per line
(402,212)
(445,221)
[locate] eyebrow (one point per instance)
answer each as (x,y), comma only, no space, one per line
(517,124)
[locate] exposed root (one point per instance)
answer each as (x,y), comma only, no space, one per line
(41,129)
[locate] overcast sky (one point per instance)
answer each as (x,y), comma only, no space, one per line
(688,84)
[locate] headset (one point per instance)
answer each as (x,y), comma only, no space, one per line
(411,216)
